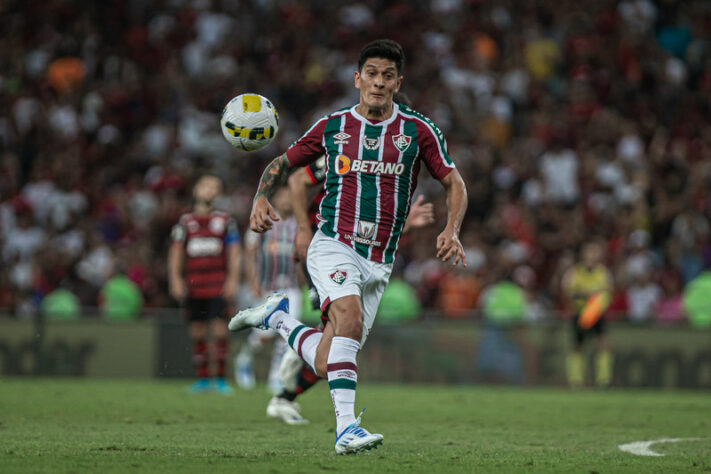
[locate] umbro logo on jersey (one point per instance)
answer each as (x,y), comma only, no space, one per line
(401,141)
(371,143)
(341,138)
(338,276)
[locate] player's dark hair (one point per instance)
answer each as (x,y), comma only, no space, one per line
(383,48)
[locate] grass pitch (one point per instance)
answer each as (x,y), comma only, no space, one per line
(75,425)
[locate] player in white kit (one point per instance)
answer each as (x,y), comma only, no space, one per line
(270,267)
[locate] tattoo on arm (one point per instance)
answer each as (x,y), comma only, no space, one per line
(275,174)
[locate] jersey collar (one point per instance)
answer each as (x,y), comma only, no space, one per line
(384,123)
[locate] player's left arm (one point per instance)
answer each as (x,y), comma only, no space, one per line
(448,244)
(233,256)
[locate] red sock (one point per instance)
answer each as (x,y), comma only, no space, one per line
(307,378)
(222,347)
(200,359)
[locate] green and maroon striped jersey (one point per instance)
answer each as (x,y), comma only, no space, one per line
(371,173)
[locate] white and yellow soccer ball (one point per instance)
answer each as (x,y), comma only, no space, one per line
(249,122)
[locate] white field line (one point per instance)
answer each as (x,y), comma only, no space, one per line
(642,448)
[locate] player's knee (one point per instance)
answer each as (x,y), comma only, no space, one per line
(348,317)
(353,328)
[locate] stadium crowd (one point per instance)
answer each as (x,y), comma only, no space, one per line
(570,120)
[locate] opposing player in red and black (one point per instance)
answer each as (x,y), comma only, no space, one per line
(203,272)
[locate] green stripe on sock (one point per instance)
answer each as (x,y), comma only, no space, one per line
(342,383)
(292,336)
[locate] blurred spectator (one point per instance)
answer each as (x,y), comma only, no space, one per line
(458,293)
(570,122)
(559,168)
(643,295)
(505,353)
(25,238)
(120,299)
(61,304)
(399,303)
(669,306)
(696,301)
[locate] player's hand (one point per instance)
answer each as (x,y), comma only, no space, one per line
(421,213)
(301,243)
(448,246)
(178,289)
(263,215)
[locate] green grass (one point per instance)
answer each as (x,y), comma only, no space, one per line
(75,425)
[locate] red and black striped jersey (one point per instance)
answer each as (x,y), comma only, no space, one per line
(205,239)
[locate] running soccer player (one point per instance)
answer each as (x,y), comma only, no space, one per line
(296,376)
(374,151)
(205,242)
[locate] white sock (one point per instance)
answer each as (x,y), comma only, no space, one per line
(303,339)
(342,379)
(277,354)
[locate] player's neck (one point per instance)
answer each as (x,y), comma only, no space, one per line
(202,208)
(375,113)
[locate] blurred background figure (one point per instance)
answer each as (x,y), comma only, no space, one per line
(505,354)
(270,267)
(61,304)
(587,279)
(121,299)
(205,248)
(570,122)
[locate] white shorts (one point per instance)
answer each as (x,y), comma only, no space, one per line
(337,271)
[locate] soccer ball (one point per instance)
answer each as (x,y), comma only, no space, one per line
(249,122)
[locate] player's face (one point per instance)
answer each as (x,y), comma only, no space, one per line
(207,189)
(378,81)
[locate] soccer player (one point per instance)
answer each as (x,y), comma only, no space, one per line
(270,267)
(206,245)
(374,151)
(296,376)
(586,279)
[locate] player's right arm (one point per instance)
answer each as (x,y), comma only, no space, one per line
(176,257)
(306,149)
(263,214)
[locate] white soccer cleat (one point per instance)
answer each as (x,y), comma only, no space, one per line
(288,412)
(258,317)
(355,439)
